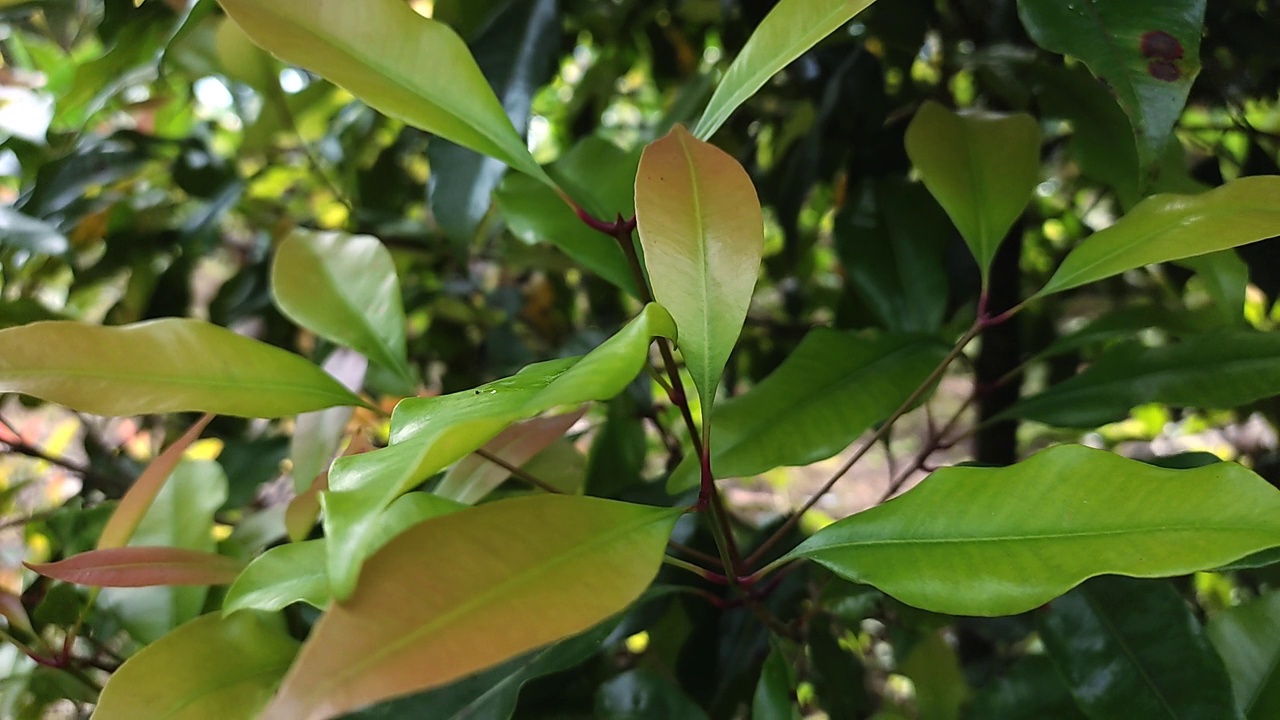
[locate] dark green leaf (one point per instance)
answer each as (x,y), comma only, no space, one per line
(832,388)
(1032,690)
(644,695)
(775,697)
(1132,649)
(1148,53)
(1213,370)
(838,676)
(1247,638)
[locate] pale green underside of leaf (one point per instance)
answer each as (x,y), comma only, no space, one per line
(428,435)
(522,573)
(409,67)
(212,668)
(831,388)
(1211,370)
(161,366)
(791,28)
(981,167)
(1172,227)
(314,285)
(999,541)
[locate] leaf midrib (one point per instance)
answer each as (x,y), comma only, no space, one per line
(703,268)
(1128,652)
(390,76)
(168,379)
(498,590)
(960,540)
(1209,211)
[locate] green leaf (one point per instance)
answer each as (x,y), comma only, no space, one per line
(1172,227)
(981,167)
(22,232)
(892,240)
(791,28)
(492,694)
(702,231)
(1000,541)
(839,677)
(378,50)
(1031,690)
(314,285)
(534,214)
(775,696)
(600,176)
(129,567)
(1226,279)
(161,366)
(522,573)
(1148,53)
(1132,649)
(317,435)
(296,572)
(212,668)
(1213,370)
(941,689)
(830,389)
(474,477)
(429,434)
(516,50)
(643,694)
(1247,637)
(181,516)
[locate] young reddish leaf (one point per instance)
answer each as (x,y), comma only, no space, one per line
(212,668)
(161,366)
(474,476)
(14,612)
(142,567)
(135,503)
(703,234)
(463,592)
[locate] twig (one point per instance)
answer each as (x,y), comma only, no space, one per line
(516,472)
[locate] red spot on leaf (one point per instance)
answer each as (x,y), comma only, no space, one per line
(1164,70)
(1160,45)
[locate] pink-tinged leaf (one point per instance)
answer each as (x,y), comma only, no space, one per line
(135,503)
(14,612)
(475,476)
(702,231)
(142,567)
(466,591)
(212,668)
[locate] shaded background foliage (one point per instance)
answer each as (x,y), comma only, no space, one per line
(153,160)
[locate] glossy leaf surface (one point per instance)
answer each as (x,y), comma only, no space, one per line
(161,366)
(702,231)
(791,28)
(832,388)
(474,476)
(314,285)
(775,695)
(1212,370)
(429,434)
(296,572)
(377,50)
(1132,648)
(492,694)
(212,668)
(999,541)
(1031,690)
(135,503)
(644,694)
(1172,227)
(1247,637)
(522,573)
(1147,53)
(516,51)
(181,516)
(316,435)
(142,567)
(981,167)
